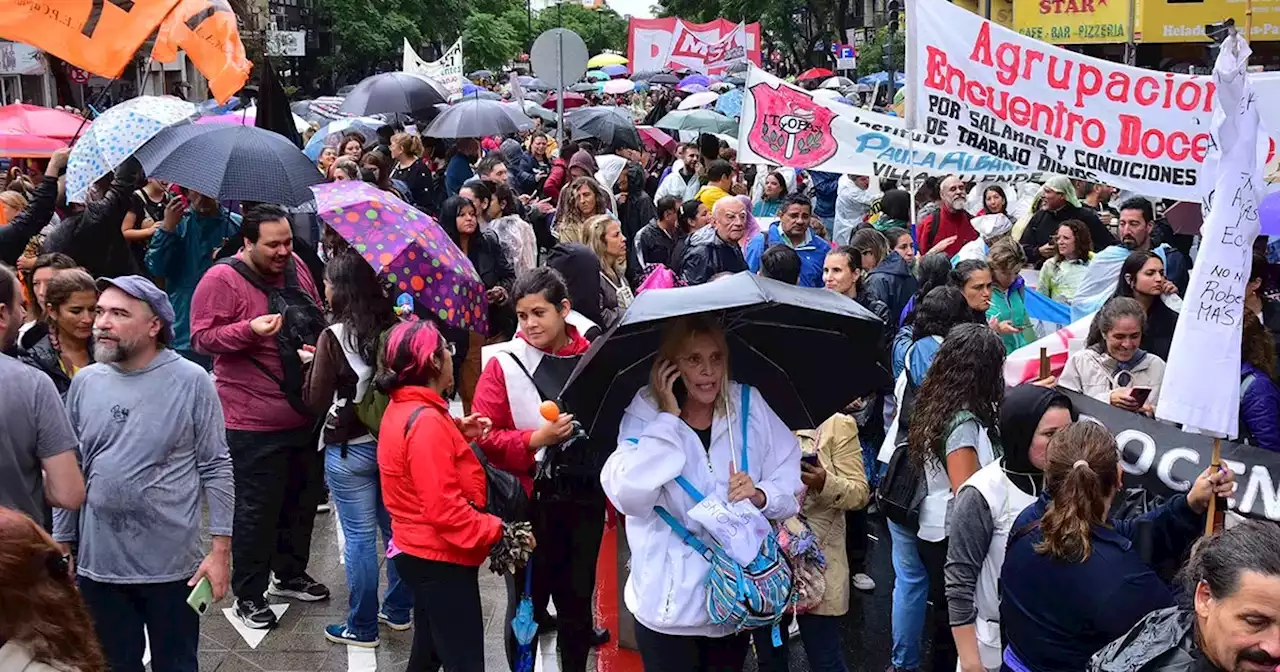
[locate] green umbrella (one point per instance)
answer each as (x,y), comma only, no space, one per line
(700,121)
(598,75)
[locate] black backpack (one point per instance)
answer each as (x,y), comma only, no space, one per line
(303,322)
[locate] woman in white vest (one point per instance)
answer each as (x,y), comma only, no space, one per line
(688,423)
(952,435)
(340,375)
(569,521)
(982,516)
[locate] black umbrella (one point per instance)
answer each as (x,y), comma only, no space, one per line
(231,163)
(612,126)
(480,74)
(476,118)
(584,87)
(393,92)
(664,79)
(809,351)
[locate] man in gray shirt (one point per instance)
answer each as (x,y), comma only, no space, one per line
(151,439)
(37,436)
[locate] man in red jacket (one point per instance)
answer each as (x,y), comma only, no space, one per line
(950,222)
(568,516)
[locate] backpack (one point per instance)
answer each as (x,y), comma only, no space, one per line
(374,402)
(303,322)
(743,598)
(902,489)
(504,494)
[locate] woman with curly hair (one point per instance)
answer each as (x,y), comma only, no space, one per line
(582,199)
(44,626)
(953,433)
(1061,275)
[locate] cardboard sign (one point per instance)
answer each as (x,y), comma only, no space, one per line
(100,36)
(207,31)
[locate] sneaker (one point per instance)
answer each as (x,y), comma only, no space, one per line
(302,587)
(255,614)
(323,507)
(394,625)
(339,634)
(863,582)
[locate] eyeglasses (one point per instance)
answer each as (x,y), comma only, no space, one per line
(450,348)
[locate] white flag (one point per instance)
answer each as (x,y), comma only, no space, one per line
(1201,387)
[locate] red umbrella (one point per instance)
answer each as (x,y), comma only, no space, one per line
(815,73)
(29,131)
(657,139)
(571,100)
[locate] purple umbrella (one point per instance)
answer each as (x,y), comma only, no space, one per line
(692,88)
(408,249)
(1269,215)
(615,70)
(695,79)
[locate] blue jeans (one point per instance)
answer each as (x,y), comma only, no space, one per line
(910,598)
(120,611)
(821,638)
(357,494)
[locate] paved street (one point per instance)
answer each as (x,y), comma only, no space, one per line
(299,643)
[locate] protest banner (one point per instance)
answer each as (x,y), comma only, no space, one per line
(100,36)
(1201,387)
(447,71)
(655,44)
(207,31)
(1165,460)
(784,125)
(729,50)
(985,87)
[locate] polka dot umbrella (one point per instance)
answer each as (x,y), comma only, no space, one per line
(116,134)
(408,249)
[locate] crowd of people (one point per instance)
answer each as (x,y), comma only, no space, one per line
(185,357)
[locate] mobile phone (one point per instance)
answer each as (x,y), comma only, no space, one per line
(201,596)
(680,391)
(1045,369)
(810,459)
(1140,394)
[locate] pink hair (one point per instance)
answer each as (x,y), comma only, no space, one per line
(407,357)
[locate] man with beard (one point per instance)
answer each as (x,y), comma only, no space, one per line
(151,440)
(1137,218)
(792,229)
(950,222)
(1232,623)
(38,467)
(254,313)
(1097,197)
(1056,204)
(715,249)
(682,182)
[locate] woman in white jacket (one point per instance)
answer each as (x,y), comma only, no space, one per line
(678,426)
(1114,368)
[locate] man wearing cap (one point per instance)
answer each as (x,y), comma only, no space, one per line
(151,440)
(1055,204)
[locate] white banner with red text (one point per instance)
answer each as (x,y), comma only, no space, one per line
(982,86)
(784,125)
(655,44)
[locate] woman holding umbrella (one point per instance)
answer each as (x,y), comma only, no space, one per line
(685,423)
(459,219)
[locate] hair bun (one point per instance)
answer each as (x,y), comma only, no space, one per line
(1080,463)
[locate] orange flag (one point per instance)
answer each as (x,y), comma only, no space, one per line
(100,36)
(207,31)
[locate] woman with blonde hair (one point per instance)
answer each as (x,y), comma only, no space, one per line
(1067,545)
(687,422)
(44,626)
(582,199)
(408,167)
(11,203)
(604,236)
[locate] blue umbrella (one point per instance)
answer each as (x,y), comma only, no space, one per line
(882,78)
(470,88)
(694,79)
(730,103)
(523,627)
(331,134)
(692,88)
(615,70)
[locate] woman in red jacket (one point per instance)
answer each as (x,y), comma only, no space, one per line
(434,489)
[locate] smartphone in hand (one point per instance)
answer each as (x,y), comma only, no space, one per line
(201,596)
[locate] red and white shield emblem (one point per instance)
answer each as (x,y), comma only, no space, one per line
(790,128)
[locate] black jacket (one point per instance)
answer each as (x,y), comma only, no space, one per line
(1163,641)
(417,179)
(892,283)
(36,216)
(654,246)
(581,270)
(1045,223)
(707,255)
(93,237)
(495,270)
(42,356)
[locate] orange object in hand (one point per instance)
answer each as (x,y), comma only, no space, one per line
(549,410)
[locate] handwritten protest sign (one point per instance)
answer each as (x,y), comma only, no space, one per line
(787,126)
(447,71)
(100,36)
(1201,386)
(987,88)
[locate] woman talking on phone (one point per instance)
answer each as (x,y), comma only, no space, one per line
(688,422)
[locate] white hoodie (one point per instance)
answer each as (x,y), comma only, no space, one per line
(666,589)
